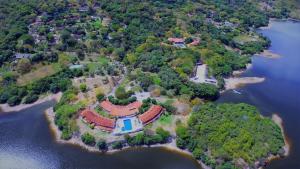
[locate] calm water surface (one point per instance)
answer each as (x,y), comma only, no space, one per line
(26,142)
(280,93)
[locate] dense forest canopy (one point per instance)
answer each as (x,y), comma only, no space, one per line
(40,39)
(228,134)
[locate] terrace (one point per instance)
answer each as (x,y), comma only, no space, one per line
(128,125)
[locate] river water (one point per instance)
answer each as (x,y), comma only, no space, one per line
(280,92)
(26,141)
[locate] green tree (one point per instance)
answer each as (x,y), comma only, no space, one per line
(121,93)
(23,65)
(117,145)
(83,87)
(101,144)
(165,135)
(88,139)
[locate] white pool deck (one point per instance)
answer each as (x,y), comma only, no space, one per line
(135,123)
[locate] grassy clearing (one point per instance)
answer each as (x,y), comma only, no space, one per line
(103,60)
(241,39)
(38,73)
(166,119)
(100,62)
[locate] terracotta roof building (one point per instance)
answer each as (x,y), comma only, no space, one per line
(99,121)
(194,43)
(150,114)
(120,110)
(176,40)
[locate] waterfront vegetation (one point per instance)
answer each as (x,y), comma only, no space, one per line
(224,134)
(65,113)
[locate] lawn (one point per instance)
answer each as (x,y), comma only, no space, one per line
(101,61)
(38,73)
(165,119)
(241,39)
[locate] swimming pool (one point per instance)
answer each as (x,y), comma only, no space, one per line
(127,125)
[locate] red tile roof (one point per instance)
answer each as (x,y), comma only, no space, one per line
(176,40)
(100,121)
(121,111)
(195,42)
(150,114)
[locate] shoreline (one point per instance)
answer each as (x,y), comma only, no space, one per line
(278,121)
(287,145)
(268,54)
(269,26)
(171,146)
(236,82)
(76,141)
(5,108)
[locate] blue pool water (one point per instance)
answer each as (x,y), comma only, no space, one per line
(127,125)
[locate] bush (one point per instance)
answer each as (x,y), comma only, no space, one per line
(169,107)
(122,94)
(150,140)
(117,145)
(88,139)
(14,100)
(121,101)
(205,91)
(83,87)
(66,134)
(100,97)
(30,98)
(165,135)
(4,97)
(102,145)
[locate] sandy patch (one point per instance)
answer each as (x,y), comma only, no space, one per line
(269,54)
(236,82)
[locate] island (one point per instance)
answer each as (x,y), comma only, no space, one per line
(130,73)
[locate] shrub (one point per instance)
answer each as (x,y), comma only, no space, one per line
(83,87)
(66,134)
(30,98)
(4,97)
(14,100)
(122,94)
(102,145)
(88,139)
(100,97)
(165,135)
(121,101)
(169,107)
(117,145)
